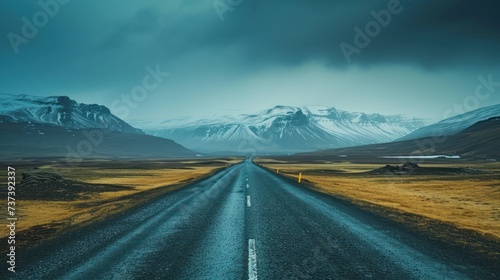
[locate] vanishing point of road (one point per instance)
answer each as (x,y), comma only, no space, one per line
(247,223)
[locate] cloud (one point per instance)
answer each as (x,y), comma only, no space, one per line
(259,33)
(144,23)
(104,46)
(425,33)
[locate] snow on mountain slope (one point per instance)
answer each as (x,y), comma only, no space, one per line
(455,124)
(287,129)
(59,111)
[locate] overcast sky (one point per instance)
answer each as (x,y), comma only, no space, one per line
(247,55)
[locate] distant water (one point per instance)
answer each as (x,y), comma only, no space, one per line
(423,157)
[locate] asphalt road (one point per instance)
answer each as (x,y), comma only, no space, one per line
(247,223)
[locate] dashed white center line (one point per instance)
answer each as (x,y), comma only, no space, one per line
(248,186)
(252,260)
(248,201)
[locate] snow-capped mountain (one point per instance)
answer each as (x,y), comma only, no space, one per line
(57,127)
(456,124)
(286,129)
(59,111)
(479,141)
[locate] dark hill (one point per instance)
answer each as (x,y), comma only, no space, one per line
(479,141)
(21,140)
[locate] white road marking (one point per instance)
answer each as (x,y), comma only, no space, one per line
(248,201)
(248,186)
(252,260)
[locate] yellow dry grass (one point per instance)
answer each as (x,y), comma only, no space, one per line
(62,214)
(32,212)
(469,201)
(143,180)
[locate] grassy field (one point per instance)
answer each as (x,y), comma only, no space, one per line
(113,187)
(468,201)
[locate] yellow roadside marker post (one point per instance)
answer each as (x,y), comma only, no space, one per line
(278,170)
(300,177)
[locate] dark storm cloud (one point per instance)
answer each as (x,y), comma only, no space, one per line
(441,33)
(106,45)
(434,33)
(145,22)
(425,33)
(428,33)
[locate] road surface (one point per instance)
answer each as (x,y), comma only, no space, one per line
(246,223)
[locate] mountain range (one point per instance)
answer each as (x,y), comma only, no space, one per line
(285,129)
(479,141)
(456,124)
(60,111)
(58,127)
